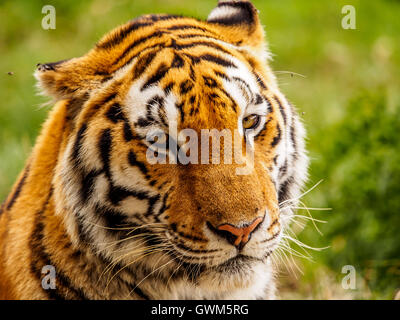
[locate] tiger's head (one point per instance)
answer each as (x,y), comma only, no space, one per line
(202,223)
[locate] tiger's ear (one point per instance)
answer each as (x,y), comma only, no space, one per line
(68,79)
(240,24)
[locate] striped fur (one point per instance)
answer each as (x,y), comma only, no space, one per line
(115,226)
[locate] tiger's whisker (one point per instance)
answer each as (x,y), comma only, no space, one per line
(302,195)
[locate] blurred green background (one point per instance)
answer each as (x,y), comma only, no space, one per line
(348,92)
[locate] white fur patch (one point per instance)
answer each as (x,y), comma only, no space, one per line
(223,12)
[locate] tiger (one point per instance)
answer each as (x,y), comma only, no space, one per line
(92,217)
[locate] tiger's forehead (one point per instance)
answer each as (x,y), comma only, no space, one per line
(198,89)
(193,38)
(153,27)
(183,70)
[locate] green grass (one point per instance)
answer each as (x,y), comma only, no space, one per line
(349,95)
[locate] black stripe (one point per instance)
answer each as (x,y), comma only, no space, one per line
(188,26)
(273,223)
(144,122)
(197,35)
(283,169)
(262,131)
(270,238)
(155,101)
(178,61)
(142,64)
(244,83)
(194,59)
(116,194)
(135,163)
(270,110)
(191,237)
(113,219)
(202,43)
(78,143)
(293,138)
(18,189)
(124,230)
(180,107)
(233,105)
(105,150)
(137,42)
(128,134)
(283,193)
(277,138)
(281,109)
(122,34)
(217,60)
(186,86)
(210,82)
(152,202)
(162,117)
(222,75)
(260,81)
(158,46)
(140,293)
(84,237)
(108,98)
(169,87)
(192,73)
(157,76)
(259,99)
(115,113)
(164,205)
(87,184)
(100,104)
(105,78)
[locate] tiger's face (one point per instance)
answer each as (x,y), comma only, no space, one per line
(203,221)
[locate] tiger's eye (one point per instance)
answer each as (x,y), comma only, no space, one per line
(251,121)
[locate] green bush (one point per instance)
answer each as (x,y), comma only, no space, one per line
(360,164)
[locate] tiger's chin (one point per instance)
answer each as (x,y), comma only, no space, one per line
(238,278)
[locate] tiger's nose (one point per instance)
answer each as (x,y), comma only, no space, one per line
(237,236)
